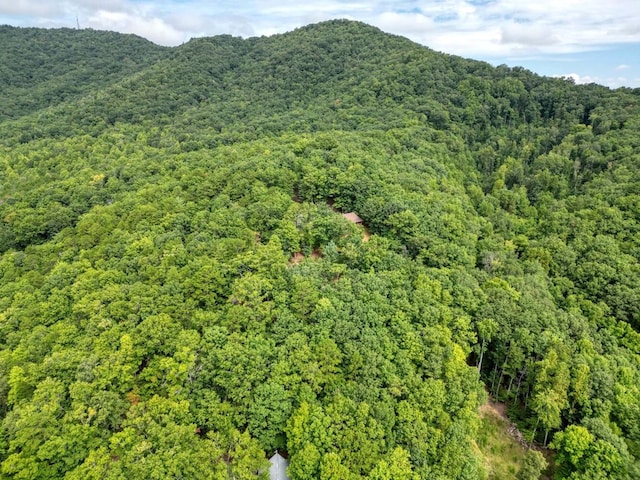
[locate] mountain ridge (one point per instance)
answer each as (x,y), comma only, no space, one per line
(417,73)
(66,61)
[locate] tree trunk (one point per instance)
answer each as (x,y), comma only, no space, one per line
(504,365)
(510,385)
(522,374)
(493,378)
(533,435)
(481,355)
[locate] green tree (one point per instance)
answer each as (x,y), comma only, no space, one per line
(533,466)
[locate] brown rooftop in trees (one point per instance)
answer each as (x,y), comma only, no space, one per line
(352,217)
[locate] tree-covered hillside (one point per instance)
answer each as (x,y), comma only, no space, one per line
(180,295)
(41,68)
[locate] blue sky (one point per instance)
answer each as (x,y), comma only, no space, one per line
(588,40)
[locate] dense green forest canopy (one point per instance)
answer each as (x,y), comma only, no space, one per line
(40,68)
(180,296)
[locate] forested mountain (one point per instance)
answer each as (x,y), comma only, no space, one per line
(41,68)
(180,295)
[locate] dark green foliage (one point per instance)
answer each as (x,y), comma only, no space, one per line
(42,68)
(179,294)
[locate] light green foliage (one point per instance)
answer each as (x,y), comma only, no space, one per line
(180,295)
(397,467)
(592,451)
(533,466)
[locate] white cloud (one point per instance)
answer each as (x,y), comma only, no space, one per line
(151,27)
(612,82)
(578,79)
(199,25)
(30,7)
(409,23)
(623,67)
(513,27)
(528,35)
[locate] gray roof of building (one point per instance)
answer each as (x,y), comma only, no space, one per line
(278,469)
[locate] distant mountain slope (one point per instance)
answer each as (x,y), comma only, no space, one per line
(40,68)
(336,74)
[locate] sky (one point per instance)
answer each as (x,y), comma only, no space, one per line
(587,40)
